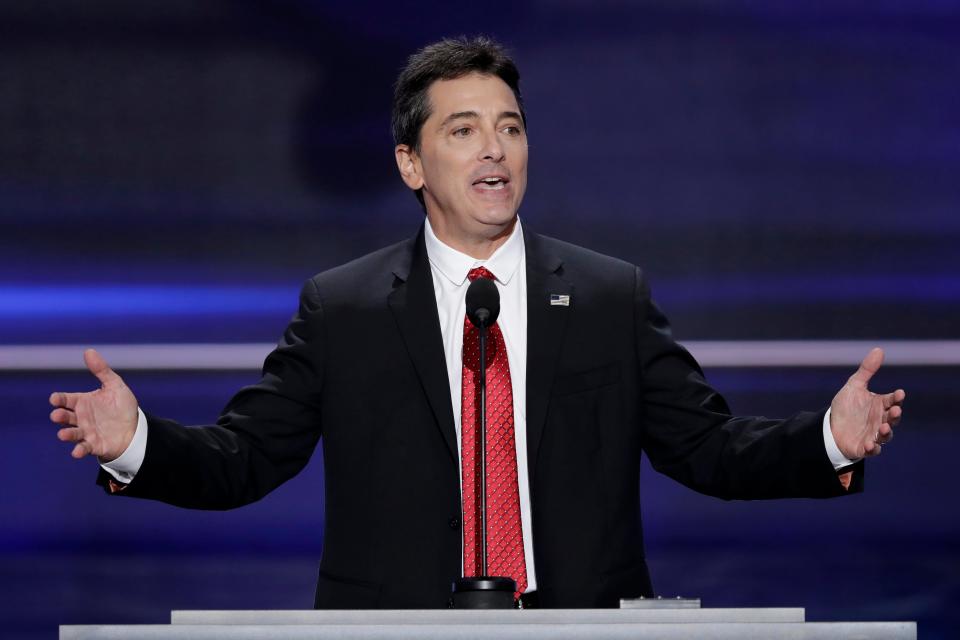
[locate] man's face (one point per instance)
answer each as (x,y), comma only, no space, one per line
(472,162)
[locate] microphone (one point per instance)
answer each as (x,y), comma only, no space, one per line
(483,302)
(483,591)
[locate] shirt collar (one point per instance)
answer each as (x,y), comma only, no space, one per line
(454,265)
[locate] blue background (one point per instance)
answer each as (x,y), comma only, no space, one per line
(173,172)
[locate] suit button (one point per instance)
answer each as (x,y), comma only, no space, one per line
(454,523)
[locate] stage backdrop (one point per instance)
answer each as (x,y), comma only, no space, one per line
(171,172)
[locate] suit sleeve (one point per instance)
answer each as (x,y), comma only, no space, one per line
(265,435)
(690,435)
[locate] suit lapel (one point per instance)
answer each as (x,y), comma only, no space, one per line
(414,306)
(546,325)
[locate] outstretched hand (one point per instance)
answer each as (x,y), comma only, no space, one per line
(863,421)
(101,422)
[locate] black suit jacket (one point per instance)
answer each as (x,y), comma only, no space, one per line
(362,364)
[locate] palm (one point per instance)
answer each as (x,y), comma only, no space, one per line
(862,421)
(100,422)
(103,415)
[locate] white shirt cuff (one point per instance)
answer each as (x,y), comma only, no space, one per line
(833,451)
(124,468)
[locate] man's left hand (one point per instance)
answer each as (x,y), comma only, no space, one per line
(863,421)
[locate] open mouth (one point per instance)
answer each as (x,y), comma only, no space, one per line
(491,183)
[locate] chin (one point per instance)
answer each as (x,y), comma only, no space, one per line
(495,224)
(498,215)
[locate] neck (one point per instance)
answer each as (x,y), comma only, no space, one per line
(478,246)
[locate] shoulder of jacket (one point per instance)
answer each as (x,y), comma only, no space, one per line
(370,268)
(588,261)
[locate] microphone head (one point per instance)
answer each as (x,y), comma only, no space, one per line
(483,302)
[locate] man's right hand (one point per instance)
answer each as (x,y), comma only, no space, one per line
(101,422)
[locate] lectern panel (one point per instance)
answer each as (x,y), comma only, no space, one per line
(628,631)
(529,616)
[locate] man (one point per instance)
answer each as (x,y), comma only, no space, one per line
(380,360)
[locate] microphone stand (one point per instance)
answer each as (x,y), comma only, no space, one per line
(483,592)
(483,435)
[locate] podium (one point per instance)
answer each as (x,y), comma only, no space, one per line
(635,620)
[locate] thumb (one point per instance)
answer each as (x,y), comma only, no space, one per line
(869,366)
(99,367)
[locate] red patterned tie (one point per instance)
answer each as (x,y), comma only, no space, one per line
(504,533)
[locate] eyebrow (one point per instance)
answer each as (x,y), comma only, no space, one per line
(457,116)
(473,114)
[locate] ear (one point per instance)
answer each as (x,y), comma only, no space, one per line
(409,165)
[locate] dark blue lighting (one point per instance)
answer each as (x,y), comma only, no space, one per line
(803,289)
(166,300)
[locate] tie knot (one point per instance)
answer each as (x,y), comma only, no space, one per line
(480,272)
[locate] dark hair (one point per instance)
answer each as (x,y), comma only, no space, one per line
(447,59)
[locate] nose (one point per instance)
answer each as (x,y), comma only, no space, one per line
(491,150)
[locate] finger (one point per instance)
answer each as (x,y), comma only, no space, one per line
(80,450)
(872,449)
(885,434)
(892,417)
(99,367)
(63,416)
(61,399)
(70,434)
(895,398)
(870,365)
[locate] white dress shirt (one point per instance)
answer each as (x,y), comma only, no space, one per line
(449,269)
(508,264)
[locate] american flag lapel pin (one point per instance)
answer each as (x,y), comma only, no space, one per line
(558,300)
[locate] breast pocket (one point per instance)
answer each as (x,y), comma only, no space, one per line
(587,380)
(582,403)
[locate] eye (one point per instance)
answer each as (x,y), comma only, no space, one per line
(512,130)
(461,132)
